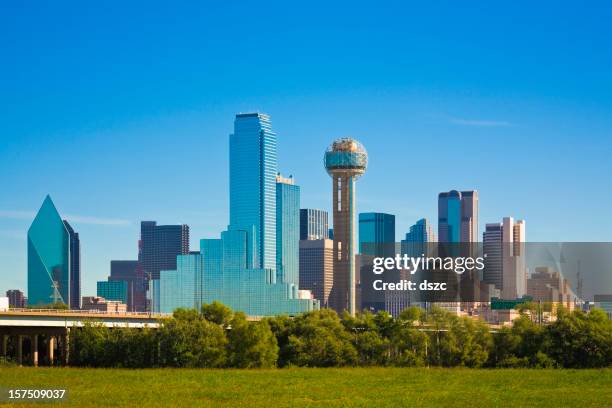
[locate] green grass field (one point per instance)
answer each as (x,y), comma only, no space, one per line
(386,387)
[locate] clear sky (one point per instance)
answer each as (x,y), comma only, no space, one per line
(122,110)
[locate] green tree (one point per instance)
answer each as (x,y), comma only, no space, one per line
(218,313)
(189,340)
(320,340)
(251,344)
(580,339)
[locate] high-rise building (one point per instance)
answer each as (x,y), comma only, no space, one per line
(220,272)
(504,246)
(131,272)
(345,160)
(458,217)
(159,246)
(53,254)
(287,230)
(240,268)
(253,169)
(75,267)
(16,298)
(113,290)
(376,239)
(317,268)
(418,237)
(548,285)
(418,241)
(492,240)
(313,224)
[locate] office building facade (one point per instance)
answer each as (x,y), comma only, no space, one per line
(116,290)
(317,268)
(131,272)
(220,272)
(505,265)
(376,239)
(159,246)
(287,230)
(458,217)
(75,266)
(16,298)
(253,170)
(314,224)
(50,260)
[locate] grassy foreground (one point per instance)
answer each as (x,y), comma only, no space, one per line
(386,387)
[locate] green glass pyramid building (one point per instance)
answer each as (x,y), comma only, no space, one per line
(50,263)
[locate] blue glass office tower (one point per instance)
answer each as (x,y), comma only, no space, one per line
(458,216)
(287,230)
(376,239)
(220,273)
(51,264)
(253,169)
(419,235)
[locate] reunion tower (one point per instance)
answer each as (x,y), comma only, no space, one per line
(345,160)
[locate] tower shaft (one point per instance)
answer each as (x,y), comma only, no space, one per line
(342,296)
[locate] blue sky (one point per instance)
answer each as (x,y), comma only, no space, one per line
(121,111)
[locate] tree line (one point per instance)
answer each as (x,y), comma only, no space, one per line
(217,337)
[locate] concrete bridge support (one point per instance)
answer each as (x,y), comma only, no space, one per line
(38,353)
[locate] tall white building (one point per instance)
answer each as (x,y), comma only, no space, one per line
(504,245)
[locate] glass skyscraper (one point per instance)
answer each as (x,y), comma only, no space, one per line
(51,264)
(220,273)
(314,224)
(287,230)
(458,217)
(75,266)
(240,268)
(159,246)
(417,239)
(376,239)
(253,169)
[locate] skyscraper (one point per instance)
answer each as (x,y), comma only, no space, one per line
(16,298)
(313,224)
(159,246)
(317,268)
(420,233)
(504,246)
(50,261)
(253,169)
(287,230)
(376,239)
(419,240)
(458,217)
(492,240)
(132,273)
(75,267)
(345,160)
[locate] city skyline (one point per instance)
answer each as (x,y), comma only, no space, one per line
(117,135)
